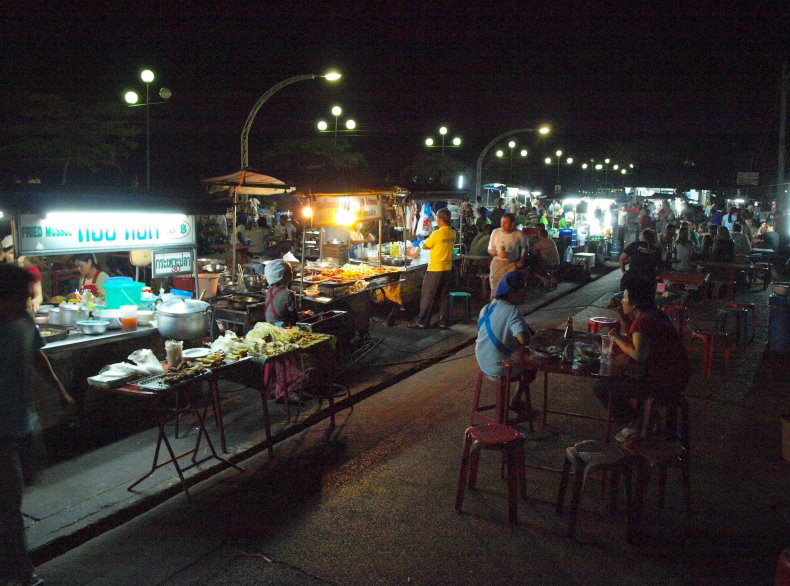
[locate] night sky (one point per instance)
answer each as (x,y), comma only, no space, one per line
(697,85)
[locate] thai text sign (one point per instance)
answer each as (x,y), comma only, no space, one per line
(73,232)
(345,210)
(747,178)
(165,264)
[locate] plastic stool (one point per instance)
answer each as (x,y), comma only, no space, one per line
(501,407)
(742,309)
(709,339)
(494,436)
(594,324)
(764,268)
(588,456)
(467,308)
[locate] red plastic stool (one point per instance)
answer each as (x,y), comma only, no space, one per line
(494,436)
(710,339)
(681,313)
(501,405)
(594,324)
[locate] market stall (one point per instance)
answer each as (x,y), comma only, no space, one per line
(49,224)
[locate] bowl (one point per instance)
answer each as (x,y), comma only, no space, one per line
(93,326)
(781,289)
(145,317)
(113,316)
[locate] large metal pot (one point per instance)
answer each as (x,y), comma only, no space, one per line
(70,314)
(184,319)
(211,265)
(254,282)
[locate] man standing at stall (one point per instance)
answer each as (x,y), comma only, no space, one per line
(508,246)
(436,282)
(20,358)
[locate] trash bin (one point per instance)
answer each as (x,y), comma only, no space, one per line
(778,323)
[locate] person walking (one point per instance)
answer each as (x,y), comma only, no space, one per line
(20,359)
(436,282)
(508,247)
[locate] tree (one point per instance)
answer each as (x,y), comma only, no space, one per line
(302,158)
(433,168)
(54,133)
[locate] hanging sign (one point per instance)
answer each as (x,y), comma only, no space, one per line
(166,264)
(346,210)
(74,232)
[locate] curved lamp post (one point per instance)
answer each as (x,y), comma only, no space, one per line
(245,131)
(479,169)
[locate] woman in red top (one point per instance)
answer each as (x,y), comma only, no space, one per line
(92,278)
(659,365)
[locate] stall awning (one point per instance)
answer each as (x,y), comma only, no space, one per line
(247,183)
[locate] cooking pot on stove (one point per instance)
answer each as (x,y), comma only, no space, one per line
(254,282)
(241,301)
(184,319)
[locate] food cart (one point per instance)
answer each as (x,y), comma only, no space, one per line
(52,223)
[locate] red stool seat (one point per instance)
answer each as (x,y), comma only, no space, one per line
(594,324)
(710,339)
(494,436)
(501,407)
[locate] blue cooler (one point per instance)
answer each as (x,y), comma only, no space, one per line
(779,323)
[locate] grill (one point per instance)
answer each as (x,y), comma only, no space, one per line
(245,316)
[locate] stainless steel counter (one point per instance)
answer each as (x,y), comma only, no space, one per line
(79,341)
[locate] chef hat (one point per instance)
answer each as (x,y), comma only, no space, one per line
(8,241)
(274,271)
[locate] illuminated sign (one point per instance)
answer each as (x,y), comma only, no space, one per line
(73,232)
(346,210)
(165,264)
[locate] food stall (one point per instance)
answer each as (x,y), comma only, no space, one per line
(60,223)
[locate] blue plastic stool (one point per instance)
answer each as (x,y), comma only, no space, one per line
(467,308)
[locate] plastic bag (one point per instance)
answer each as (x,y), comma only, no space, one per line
(146,361)
(225,343)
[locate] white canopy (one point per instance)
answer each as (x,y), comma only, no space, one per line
(247,183)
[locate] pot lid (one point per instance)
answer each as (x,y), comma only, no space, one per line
(182,307)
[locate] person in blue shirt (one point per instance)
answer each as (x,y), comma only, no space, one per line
(501,332)
(20,358)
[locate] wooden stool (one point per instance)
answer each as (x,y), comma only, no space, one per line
(494,436)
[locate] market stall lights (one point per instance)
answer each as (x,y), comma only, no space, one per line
(332,75)
(111,218)
(460,182)
(322,125)
(428,142)
(351,124)
(307,212)
(457,141)
(443,130)
(131,97)
(147,75)
(336,110)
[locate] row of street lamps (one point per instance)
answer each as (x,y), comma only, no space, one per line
(147,77)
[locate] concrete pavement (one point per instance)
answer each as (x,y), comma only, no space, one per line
(373,501)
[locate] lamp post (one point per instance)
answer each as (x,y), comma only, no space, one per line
(568,161)
(543,130)
(512,146)
(245,131)
(323,126)
(429,142)
(131,98)
(307,214)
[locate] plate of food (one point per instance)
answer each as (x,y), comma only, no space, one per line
(193,353)
(588,352)
(546,350)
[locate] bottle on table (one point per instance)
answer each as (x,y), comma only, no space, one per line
(568,341)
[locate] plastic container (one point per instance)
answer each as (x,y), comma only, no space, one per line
(207,282)
(181,293)
(121,291)
(185,283)
(128,318)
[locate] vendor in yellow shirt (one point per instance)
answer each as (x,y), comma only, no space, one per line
(436,282)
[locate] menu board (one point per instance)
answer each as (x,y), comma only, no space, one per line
(74,232)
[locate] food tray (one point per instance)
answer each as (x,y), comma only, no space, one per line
(102,381)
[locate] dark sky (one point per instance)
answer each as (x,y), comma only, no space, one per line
(702,82)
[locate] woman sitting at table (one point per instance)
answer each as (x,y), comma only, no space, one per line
(708,240)
(723,249)
(684,250)
(658,365)
(92,278)
(502,331)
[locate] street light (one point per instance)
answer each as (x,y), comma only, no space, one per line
(568,161)
(245,131)
(131,98)
(542,130)
(336,112)
(511,145)
(429,142)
